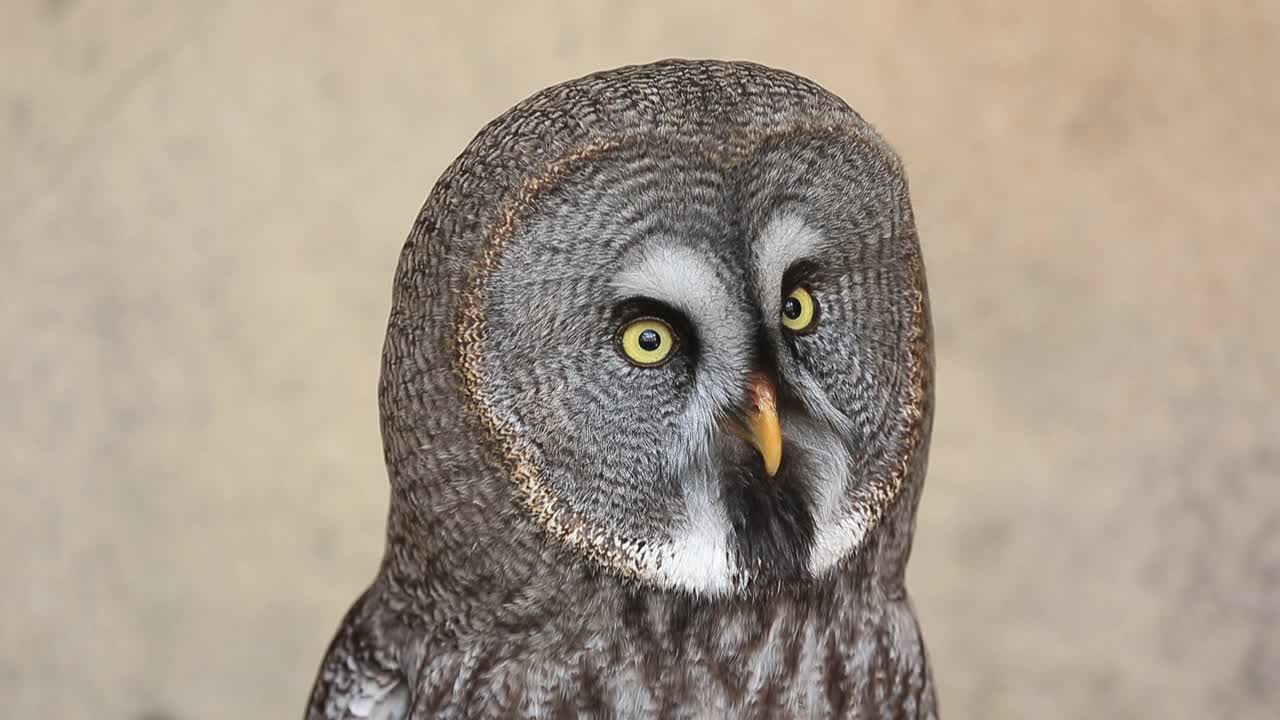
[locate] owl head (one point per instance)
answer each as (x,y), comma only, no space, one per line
(673,319)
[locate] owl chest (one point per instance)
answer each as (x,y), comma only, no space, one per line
(800,673)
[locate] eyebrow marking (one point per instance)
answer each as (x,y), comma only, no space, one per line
(786,240)
(686,280)
(673,274)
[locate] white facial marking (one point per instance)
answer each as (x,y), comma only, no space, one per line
(698,557)
(838,528)
(674,274)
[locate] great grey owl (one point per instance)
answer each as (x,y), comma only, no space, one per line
(656,399)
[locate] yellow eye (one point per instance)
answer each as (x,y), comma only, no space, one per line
(647,342)
(799,311)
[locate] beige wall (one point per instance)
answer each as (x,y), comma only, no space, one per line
(201,208)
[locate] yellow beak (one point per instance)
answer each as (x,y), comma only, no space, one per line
(763,429)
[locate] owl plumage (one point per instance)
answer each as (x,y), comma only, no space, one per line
(656,399)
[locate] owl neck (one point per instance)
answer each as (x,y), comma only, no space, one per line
(537,630)
(498,568)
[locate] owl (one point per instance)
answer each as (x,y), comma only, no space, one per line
(656,398)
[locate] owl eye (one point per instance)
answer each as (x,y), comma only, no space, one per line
(647,342)
(799,311)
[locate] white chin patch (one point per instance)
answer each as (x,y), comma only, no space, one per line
(834,539)
(838,528)
(698,559)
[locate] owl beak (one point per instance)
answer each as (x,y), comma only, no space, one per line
(763,429)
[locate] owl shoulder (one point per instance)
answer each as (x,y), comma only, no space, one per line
(360,677)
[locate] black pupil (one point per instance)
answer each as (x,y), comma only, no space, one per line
(791,308)
(650,340)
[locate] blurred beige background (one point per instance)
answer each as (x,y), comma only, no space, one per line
(201,207)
